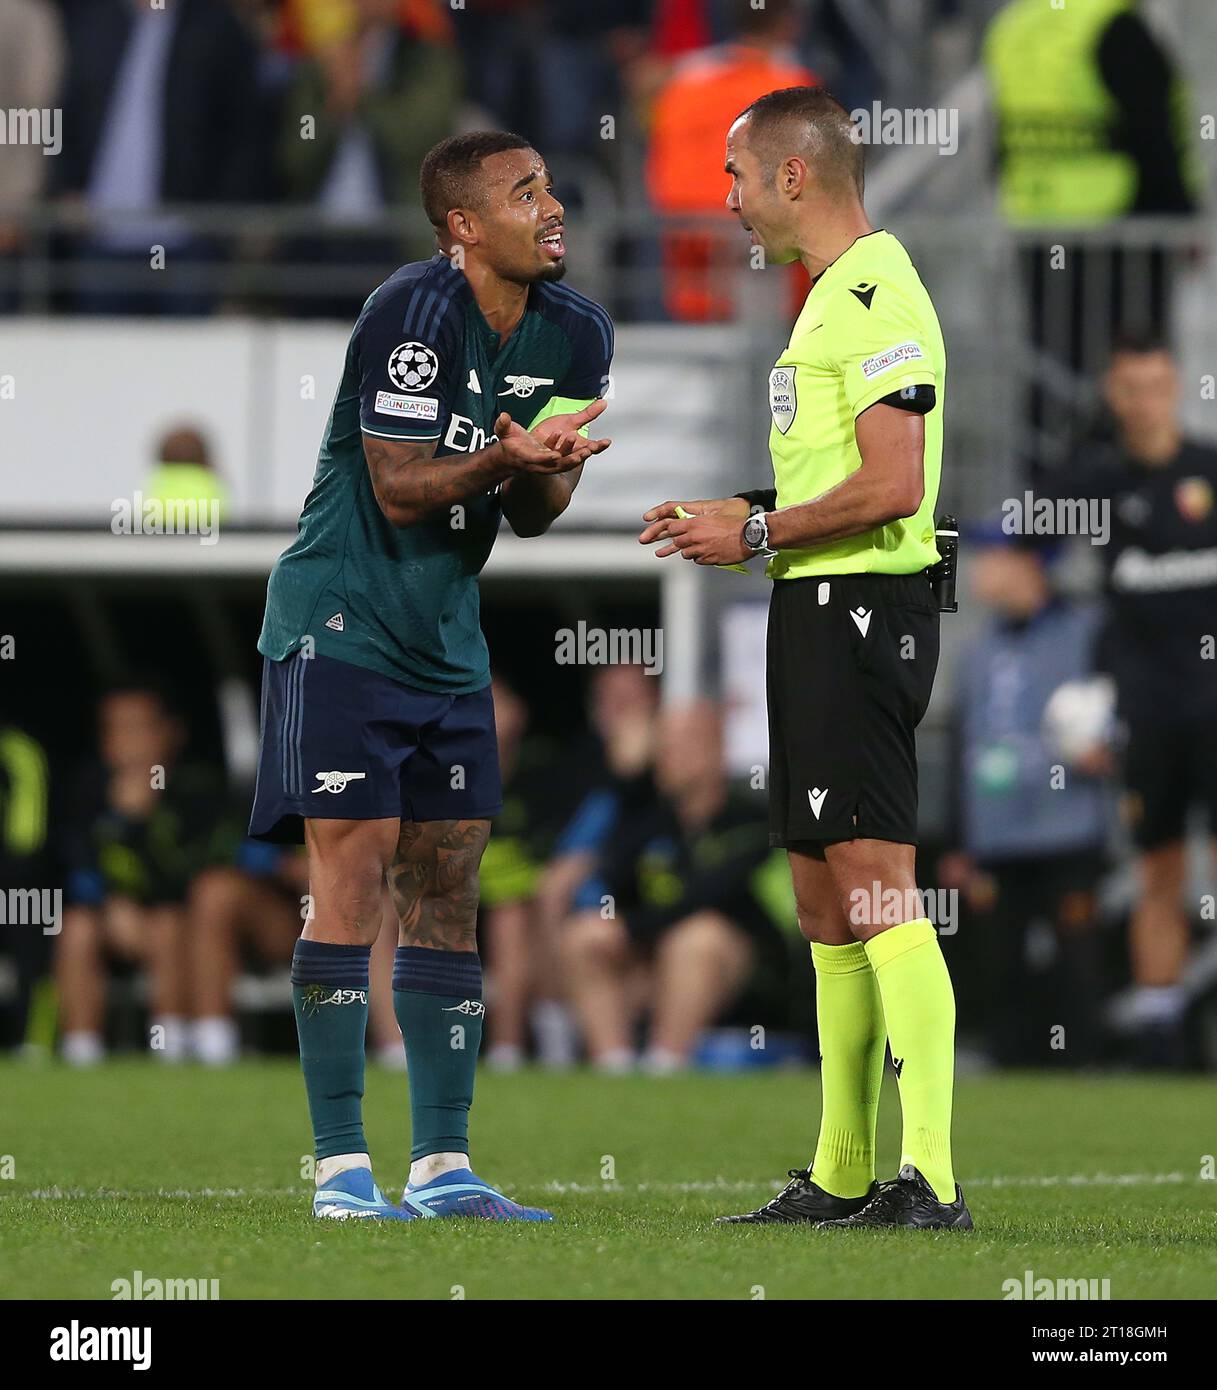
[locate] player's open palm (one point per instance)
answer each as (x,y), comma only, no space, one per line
(553,446)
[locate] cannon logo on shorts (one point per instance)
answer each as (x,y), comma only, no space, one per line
(412,366)
(782,399)
(336,782)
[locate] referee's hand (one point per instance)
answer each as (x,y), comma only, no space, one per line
(707,539)
(707,506)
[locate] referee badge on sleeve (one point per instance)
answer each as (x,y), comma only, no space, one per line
(782,399)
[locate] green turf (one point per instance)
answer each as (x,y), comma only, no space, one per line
(99,1157)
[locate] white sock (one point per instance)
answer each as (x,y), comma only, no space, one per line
(214,1040)
(424,1169)
(615,1062)
(172,1038)
(505,1057)
(339,1163)
(555,1032)
(1157,1003)
(661,1061)
(391,1056)
(82,1049)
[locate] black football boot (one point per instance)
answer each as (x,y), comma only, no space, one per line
(800,1201)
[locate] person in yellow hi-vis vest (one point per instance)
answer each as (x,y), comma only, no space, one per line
(1090,114)
(184,478)
(1090,119)
(28,871)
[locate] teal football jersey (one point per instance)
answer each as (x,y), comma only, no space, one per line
(422,363)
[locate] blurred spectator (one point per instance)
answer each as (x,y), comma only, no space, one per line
(1089,110)
(616,753)
(146,826)
(31,62)
(692,114)
(382,86)
(1091,127)
(253,905)
(1034,806)
(550,68)
(1160,563)
(28,863)
(160,105)
(379,84)
(585,49)
(680,921)
(538,797)
(184,476)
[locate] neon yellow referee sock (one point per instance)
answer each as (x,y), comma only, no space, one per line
(849,1018)
(919,1006)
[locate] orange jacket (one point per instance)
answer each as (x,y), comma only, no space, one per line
(693,113)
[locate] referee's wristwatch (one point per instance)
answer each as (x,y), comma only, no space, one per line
(756,533)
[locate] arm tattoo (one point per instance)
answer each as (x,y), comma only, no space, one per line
(410,483)
(434,882)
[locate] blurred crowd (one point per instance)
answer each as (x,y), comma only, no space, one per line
(325,108)
(330,105)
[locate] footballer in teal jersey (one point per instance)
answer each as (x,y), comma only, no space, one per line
(467,390)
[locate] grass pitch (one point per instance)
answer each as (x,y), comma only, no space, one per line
(185,1173)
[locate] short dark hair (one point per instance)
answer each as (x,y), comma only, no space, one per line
(151,684)
(812,120)
(1138,342)
(448,177)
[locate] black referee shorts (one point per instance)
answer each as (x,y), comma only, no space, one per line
(850,667)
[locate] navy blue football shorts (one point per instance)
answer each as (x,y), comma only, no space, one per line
(340,742)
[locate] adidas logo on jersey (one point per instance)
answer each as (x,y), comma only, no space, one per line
(336,623)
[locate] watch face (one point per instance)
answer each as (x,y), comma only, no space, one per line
(754,532)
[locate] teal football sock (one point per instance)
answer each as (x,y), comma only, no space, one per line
(330,998)
(437,997)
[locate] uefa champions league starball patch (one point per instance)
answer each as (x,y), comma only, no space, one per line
(413,366)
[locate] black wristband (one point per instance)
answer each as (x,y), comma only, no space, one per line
(761,499)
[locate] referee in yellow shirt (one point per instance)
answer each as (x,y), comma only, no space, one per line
(856,401)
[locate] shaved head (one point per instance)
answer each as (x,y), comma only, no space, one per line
(810,123)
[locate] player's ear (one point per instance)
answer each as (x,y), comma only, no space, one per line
(463,227)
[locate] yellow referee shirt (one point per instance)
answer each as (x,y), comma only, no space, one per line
(867,329)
